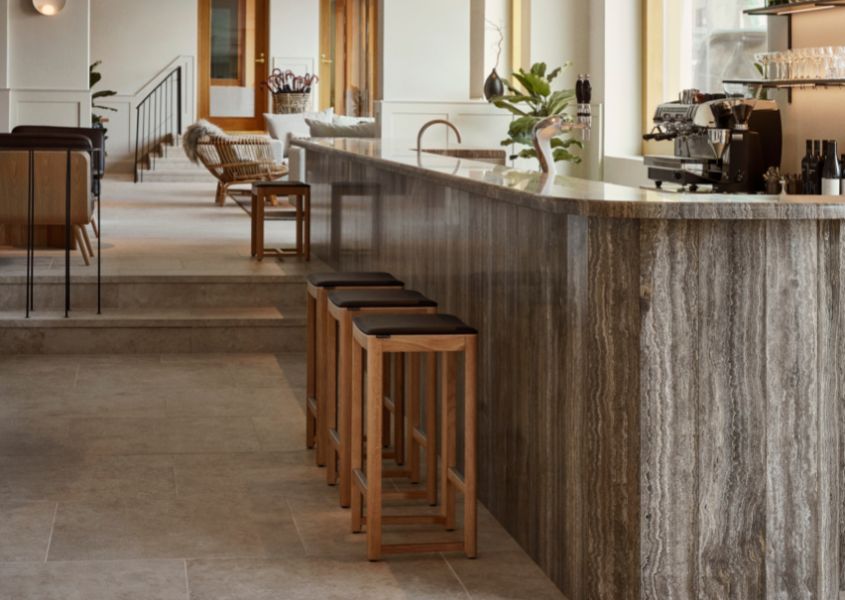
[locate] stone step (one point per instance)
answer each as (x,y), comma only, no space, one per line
(157,292)
(175,331)
(193,175)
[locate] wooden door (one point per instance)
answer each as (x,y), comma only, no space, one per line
(233,62)
(348,56)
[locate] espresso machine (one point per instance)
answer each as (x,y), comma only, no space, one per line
(725,142)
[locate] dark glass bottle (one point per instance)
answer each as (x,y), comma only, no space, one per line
(831,172)
(818,151)
(808,170)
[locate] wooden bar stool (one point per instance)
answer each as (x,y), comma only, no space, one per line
(445,335)
(317,389)
(343,305)
(300,211)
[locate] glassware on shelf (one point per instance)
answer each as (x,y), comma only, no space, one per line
(814,64)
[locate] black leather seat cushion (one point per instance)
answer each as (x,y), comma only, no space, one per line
(285,183)
(360,279)
(380,299)
(383,325)
(21,141)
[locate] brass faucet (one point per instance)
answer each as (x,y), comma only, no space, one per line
(435,122)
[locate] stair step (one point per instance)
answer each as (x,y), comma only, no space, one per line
(157,292)
(176,176)
(185,330)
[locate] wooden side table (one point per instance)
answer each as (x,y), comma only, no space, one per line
(300,211)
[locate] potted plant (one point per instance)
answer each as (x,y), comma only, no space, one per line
(531,104)
(94,77)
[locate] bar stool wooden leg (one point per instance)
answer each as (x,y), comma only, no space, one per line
(322,442)
(307,226)
(311,381)
(399,408)
(375,403)
(356,428)
(345,410)
(298,225)
(414,415)
(259,226)
(448,439)
(252,223)
(431,427)
(470,439)
(330,421)
(385,413)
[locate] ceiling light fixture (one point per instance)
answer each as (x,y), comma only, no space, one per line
(49,7)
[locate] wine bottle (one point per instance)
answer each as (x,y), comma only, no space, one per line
(817,150)
(831,173)
(808,170)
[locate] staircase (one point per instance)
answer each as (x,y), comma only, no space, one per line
(154,314)
(166,162)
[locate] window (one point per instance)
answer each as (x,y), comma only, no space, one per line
(698,44)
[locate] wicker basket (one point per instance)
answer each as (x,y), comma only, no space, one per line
(291,102)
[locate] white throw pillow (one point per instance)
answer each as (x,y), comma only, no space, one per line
(285,127)
(344,120)
(359,130)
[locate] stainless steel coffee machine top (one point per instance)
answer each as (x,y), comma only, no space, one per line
(721,141)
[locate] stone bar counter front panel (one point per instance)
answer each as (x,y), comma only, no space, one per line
(660,401)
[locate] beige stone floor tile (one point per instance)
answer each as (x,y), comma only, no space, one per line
(310,578)
(34,437)
(283,433)
(156,435)
(82,401)
(258,474)
(184,526)
(106,580)
(25,530)
(61,478)
(231,401)
(503,576)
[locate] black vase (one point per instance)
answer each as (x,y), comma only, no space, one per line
(493,87)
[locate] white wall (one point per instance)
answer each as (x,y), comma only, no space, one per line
(559,33)
(295,37)
(135,40)
(426,50)
(44,80)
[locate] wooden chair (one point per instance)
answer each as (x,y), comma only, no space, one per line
(241,159)
(445,335)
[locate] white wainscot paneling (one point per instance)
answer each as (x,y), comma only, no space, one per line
(482,125)
(51,107)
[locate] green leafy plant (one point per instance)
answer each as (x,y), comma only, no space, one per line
(94,77)
(531,104)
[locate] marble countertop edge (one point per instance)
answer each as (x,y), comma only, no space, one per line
(580,197)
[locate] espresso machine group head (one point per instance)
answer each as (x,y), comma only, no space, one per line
(721,141)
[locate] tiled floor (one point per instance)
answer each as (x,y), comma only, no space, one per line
(184,477)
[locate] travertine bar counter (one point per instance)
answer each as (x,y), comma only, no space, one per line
(661,395)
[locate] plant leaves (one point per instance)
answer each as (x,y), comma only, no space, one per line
(535,101)
(103,94)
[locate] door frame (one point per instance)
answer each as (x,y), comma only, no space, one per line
(262,69)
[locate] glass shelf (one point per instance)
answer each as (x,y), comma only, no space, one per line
(795,7)
(789,83)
